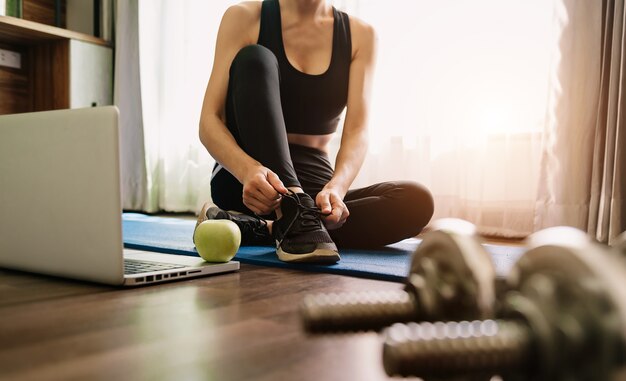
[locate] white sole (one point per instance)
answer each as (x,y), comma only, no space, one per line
(316,256)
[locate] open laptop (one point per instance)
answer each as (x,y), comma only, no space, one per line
(60,202)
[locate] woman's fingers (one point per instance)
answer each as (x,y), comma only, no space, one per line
(258,203)
(338,212)
(255,205)
(275,182)
(260,208)
(260,193)
(323,202)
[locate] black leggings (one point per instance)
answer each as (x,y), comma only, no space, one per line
(379,214)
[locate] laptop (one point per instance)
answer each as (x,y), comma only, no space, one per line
(60,202)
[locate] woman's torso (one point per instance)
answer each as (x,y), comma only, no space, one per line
(314,56)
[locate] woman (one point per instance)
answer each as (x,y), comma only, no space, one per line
(284,71)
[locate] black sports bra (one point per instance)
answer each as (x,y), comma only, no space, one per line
(311,104)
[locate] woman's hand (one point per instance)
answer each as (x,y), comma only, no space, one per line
(262,190)
(330,201)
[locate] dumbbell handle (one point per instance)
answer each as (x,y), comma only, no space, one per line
(443,350)
(357,311)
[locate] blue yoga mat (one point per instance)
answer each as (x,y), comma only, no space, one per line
(174,236)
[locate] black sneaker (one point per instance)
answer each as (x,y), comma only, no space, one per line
(254,230)
(300,234)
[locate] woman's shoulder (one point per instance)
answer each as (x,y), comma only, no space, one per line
(244,11)
(363,34)
(242,20)
(361,28)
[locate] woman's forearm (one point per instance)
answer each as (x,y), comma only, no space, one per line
(349,160)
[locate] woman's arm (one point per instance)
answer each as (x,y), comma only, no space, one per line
(260,184)
(354,139)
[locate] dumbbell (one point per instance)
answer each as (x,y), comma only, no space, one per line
(563,318)
(451,277)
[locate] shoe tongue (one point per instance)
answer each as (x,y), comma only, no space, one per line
(306,200)
(289,205)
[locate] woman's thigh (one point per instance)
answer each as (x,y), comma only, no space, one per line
(384,213)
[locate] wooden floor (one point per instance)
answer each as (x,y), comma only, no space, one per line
(237,326)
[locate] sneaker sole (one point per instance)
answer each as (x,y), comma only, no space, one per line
(202,216)
(207,205)
(316,256)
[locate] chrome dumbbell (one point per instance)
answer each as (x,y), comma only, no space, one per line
(451,277)
(564,318)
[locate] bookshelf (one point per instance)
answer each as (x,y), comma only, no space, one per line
(59,68)
(25,32)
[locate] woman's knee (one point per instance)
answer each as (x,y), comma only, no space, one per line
(254,60)
(418,202)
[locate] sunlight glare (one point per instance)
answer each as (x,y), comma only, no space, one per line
(459,68)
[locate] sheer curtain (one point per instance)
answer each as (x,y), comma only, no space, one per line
(164,52)
(460,103)
(569,134)
(460,100)
(583,168)
(176,43)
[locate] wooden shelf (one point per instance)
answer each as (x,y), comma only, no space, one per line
(49,67)
(23,32)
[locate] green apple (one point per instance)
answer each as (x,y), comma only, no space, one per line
(217,240)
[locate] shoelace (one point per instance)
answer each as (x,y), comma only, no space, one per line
(249,226)
(309,216)
(255,228)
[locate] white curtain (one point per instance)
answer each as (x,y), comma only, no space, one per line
(164,53)
(127,97)
(573,105)
(176,43)
(460,101)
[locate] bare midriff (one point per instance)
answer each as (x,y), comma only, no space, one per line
(319,142)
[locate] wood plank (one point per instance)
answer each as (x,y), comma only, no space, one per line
(50,75)
(17,31)
(42,11)
(15,85)
(236,326)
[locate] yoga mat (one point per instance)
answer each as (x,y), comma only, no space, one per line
(175,236)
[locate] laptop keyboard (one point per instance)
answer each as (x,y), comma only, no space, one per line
(132,266)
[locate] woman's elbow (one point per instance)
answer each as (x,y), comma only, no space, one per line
(204,130)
